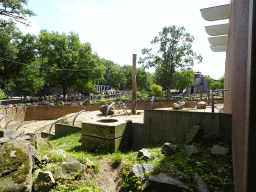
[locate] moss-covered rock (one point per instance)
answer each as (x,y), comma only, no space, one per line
(14,168)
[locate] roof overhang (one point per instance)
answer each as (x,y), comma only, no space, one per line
(218,43)
(216,13)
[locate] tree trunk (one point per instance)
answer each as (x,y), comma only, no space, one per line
(168,92)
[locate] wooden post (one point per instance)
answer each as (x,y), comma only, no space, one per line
(201,93)
(134,89)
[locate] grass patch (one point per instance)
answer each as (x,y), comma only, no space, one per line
(177,165)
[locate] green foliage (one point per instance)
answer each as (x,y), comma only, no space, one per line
(77,186)
(175,52)
(156,90)
(2,94)
(183,78)
(116,159)
(15,10)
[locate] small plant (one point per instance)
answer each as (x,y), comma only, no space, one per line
(56,158)
(116,160)
(2,94)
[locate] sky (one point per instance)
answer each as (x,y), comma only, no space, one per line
(117,29)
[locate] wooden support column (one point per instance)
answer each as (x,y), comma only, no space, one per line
(134,89)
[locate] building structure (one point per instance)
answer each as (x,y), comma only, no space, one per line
(195,87)
(237,38)
(104,88)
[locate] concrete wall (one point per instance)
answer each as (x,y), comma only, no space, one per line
(161,126)
(62,130)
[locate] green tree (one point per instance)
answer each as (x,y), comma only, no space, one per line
(143,79)
(14,10)
(9,66)
(175,52)
(218,84)
(68,63)
(209,80)
(28,79)
(183,78)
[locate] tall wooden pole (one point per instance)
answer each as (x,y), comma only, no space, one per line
(134,89)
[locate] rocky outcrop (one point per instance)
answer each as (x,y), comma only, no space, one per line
(199,183)
(218,150)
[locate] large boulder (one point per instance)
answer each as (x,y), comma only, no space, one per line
(17,158)
(140,169)
(163,182)
(199,183)
(194,135)
(59,153)
(201,105)
(68,168)
(103,109)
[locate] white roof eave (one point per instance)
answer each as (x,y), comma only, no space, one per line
(216,13)
(215,30)
(218,40)
(218,48)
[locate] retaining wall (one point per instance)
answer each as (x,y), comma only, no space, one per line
(45,112)
(161,126)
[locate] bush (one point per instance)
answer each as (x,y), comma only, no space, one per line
(156,90)
(2,94)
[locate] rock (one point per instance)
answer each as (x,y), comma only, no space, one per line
(12,154)
(190,104)
(144,152)
(140,170)
(194,135)
(17,159)
(44,103)
(87,102)
(51,104)
(176,106)
(103,109)
(45,159)
(89,163)
(44,181)
(168,148)
(221,110)
(199,183)
(218,150)
(10,133)
(181,103)
(163,182)
(58,152)
(68,168)
(34,104)
(190,149)
(36,172)
(201,105)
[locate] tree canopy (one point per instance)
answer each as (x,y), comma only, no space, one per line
(174,52)
(14,10)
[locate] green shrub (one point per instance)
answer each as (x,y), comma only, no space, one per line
(2,94)
(156,90)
